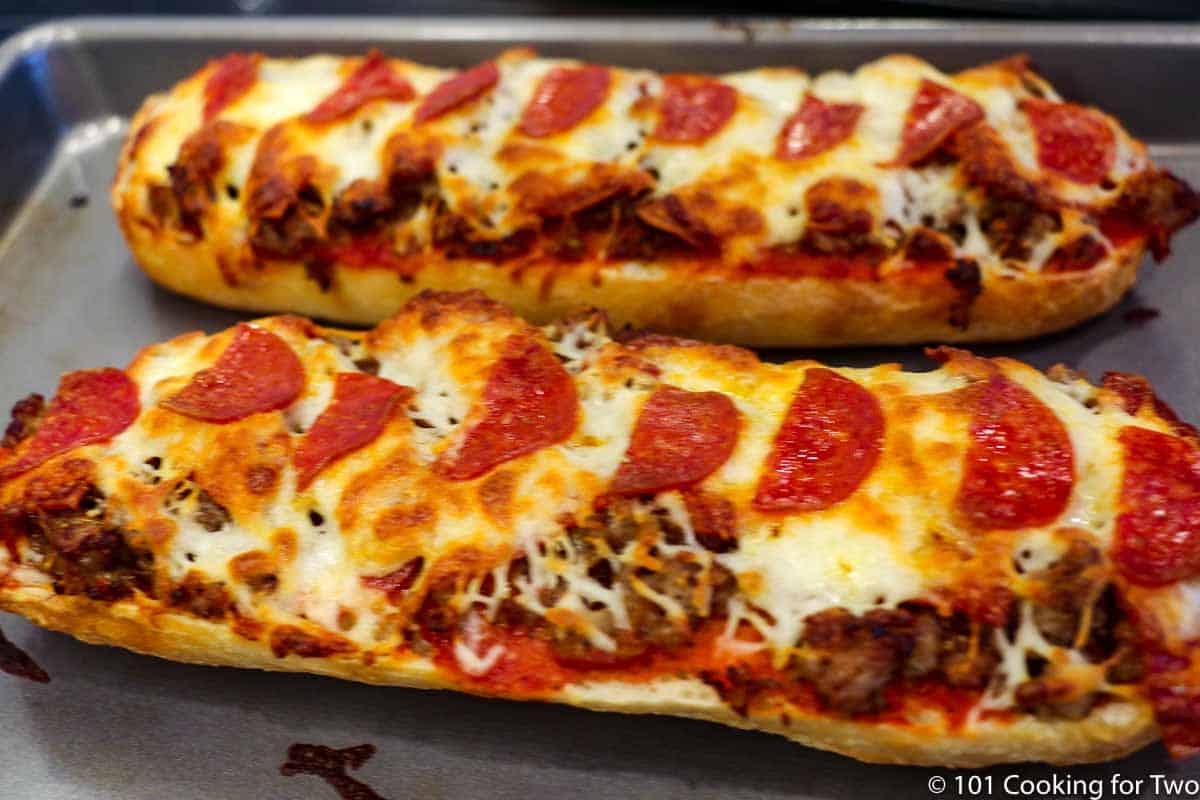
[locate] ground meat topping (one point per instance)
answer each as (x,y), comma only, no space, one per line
(1066,588)
(26,415)
(289,640)
(632,584)
(85,553)
(1075,605)
(210,515)
(295,229)
(1154,204)
(204,599)
(1051,698)
(1014,227)
(840,217)
(852,663)
(201,159)
(362,204)
(848,660)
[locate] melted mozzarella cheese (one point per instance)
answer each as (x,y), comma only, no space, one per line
(286,89)
(608,413)
(928,196)
(466,649)
(440,403)
(471,171)
(803,566)
(197,548)
(1036,550)
(355,150)
(322,582)
(554,560)
(1187,604)
(1014,659)
(605,135)
(316,580)
(1097,456)
(750,132)
(1015,655)
(323,365)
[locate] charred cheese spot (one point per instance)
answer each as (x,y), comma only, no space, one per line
(225,474)
(256,569)
(285,544)
(496,496)
(405,521)
(261,478)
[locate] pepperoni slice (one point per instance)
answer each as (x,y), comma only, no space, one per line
(936,113)
(257,372)
(1177,709)
(1158,530)
(90,406)
(1020,465)
(233,76)
(361,407)
(680,438)
(398,581)
(563,99)
(694,107)
(828,444)
(1174,688)
(373,80)
(816,127)
(1074,141)
(1077,255)
(529,403)
(453,92)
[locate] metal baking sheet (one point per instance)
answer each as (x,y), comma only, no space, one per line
(117,725)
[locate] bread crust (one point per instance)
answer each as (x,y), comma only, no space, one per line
(1114,730)
(755,311)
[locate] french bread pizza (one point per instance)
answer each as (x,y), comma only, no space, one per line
(894,204)
(976,564)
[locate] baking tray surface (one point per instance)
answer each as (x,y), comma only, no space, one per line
(117,725)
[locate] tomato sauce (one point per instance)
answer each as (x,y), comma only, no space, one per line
(372,252)
(529,668)
(798,264)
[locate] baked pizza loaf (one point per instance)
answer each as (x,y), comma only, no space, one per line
(768,208)
(977,564)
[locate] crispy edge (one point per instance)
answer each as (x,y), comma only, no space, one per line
(1119,729)
(757,312)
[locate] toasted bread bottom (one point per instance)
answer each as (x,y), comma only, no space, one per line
(752,311)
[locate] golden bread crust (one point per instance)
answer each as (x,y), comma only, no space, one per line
(756,312)
(1120,728)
